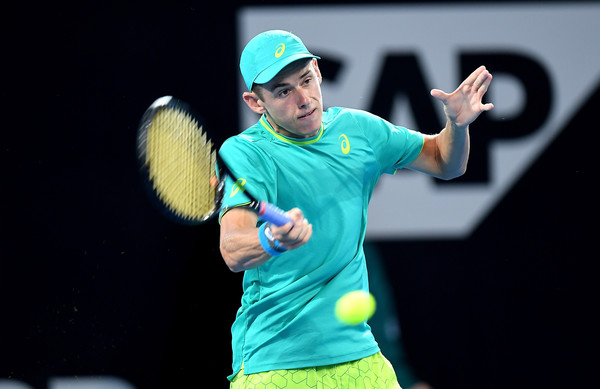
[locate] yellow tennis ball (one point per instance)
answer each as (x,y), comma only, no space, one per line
(355,307)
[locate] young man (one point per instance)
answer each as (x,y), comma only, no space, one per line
(322,167)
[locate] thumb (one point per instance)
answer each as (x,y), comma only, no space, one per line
(440,95)
(487,107)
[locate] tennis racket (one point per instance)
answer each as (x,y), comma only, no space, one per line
(182,168)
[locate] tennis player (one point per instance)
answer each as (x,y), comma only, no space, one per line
(322,166)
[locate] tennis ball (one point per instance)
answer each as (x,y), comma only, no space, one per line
(355,307)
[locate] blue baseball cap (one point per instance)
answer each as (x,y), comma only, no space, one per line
(269,52)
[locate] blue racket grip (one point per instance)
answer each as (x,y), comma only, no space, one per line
(273,214)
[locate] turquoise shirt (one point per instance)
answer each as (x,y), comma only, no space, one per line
(286,319)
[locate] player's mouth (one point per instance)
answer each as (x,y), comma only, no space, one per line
(307,115)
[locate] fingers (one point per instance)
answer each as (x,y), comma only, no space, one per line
(295,233)
(473,77)
(481,86)
(478,81)
(477,85)
(478,78)
(298,235)
(482,82)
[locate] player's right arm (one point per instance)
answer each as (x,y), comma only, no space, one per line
(240,245)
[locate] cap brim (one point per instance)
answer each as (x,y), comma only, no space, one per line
(270,72)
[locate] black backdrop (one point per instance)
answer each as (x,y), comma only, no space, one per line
(94,282)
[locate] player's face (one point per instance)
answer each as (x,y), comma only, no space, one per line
(293,102)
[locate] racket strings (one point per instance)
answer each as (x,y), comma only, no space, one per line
(181,163)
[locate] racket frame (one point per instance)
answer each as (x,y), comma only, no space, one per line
(264,210)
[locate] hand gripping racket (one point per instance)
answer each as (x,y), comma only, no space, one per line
(182,167)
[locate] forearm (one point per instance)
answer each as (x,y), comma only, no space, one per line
(452,155)
(241,249)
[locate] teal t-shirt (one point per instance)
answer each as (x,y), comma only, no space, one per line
(286,319)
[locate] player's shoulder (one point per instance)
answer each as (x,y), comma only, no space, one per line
(345,115)
(250,135)
(247,140)
(333,113)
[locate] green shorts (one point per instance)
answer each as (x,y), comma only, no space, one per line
(374,372)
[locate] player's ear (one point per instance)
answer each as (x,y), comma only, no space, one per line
(317,70)
(254,102)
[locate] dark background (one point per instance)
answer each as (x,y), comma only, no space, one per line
(93,281)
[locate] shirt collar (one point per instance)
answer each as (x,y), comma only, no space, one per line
(296,141)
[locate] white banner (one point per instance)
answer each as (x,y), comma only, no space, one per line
(545,59)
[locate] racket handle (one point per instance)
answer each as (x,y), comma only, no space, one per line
(273,214)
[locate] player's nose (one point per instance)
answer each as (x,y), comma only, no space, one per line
(302,98)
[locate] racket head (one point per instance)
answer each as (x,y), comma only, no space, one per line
(178,162)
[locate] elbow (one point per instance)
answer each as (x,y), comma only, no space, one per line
(229,254)
(235,269)
(450,175)
(233,265)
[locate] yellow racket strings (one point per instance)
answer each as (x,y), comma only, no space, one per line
(181,163)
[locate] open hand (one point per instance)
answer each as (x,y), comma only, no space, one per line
(464,105)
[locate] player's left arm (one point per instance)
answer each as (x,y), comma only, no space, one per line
(445,154)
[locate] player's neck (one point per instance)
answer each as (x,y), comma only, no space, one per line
(289,134)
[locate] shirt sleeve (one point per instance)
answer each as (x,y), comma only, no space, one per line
(394,146)
(251,171)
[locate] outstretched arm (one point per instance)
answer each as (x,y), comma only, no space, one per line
(445,155)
